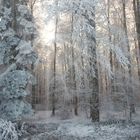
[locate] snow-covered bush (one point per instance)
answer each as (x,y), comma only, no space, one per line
(7,130)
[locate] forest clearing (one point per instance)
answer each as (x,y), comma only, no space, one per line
(69,70)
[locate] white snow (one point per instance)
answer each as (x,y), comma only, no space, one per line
(7,131)
(82,128)
(79,130)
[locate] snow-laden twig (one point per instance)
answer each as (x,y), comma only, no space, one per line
(7,130)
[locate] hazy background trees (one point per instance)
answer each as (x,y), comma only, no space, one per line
(67,31)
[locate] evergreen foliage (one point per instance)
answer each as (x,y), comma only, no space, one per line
(17,55)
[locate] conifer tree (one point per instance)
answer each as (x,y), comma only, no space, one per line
(16,55)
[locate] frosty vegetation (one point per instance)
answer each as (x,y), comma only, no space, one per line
(7,131)
(16,54)
(69,60)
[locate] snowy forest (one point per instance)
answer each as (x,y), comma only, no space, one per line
(69,69)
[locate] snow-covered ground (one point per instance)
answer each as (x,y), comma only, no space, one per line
(44,127)
(70,130)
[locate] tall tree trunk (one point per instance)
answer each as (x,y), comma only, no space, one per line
(83,72)
(73,72)
(54,67)
(130,89)
(111,54)
(74,84)
(94,103)
(136,7)
(32,65)
(94,100)
(14,23)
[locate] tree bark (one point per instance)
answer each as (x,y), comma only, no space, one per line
(54,67)
(130,89)
(136,7)
(94,101)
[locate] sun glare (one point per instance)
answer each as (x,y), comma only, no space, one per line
(46,29)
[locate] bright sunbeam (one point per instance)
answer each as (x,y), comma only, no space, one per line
(47,33)
(46,29)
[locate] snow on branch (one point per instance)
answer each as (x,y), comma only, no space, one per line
(7,130)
